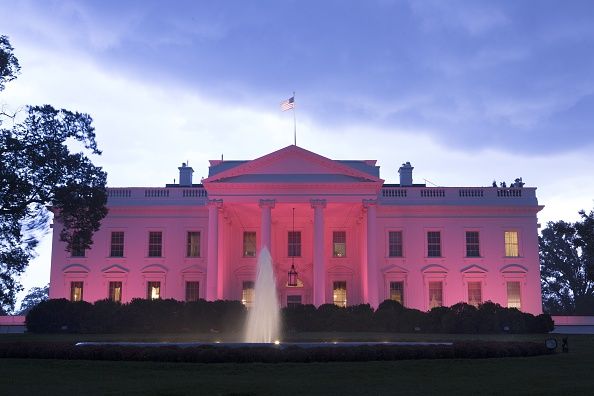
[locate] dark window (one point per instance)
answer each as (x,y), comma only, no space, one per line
(472,244)
(294,248)
(76,291)
(117,244)
(339,243)
(293,300)
(395,244)
(192,291)
(155,244)
(193,244)
(77,248)
(249,244)
(433,244)
(115,291)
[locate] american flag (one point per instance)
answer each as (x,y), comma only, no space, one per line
(288,104)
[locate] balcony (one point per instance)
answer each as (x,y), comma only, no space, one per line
(396,195)
(156,196)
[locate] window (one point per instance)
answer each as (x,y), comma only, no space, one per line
(193,244)
(155,244)
(153,290)
(511,244)
(115,291)
(472,244)
(433,244)
(76,291)
(294,245)
(249,244)
(339,243)
(293,300)
(395,244)
(76,248)
(513,295)
(435,294)
(117,244)
(475,293)
(339,294)
(397,292)
(192,290)
(247,294)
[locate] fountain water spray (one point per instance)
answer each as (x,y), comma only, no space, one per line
(263,324)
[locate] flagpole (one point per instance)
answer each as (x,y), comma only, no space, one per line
(294,121)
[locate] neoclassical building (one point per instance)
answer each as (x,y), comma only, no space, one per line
(336,233)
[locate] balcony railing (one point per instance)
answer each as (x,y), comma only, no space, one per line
(458,195)
(148,195)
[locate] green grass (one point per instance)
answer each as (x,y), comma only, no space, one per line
(568,374)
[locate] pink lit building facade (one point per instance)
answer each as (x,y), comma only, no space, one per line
(350,238)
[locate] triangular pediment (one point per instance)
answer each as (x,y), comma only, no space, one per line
(293,164)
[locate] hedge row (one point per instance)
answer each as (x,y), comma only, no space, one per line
(221,354)
(171,316)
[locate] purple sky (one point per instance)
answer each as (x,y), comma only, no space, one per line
(468,91)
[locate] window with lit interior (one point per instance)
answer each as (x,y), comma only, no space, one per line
(247,293)
(397,292)
(339,243)
(249,244)
(475,293)
(153,290)
(514,299)
(511,244)
(435,294)
(339,293)
(76,291)
(115,291)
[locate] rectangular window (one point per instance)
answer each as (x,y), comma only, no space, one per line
(475,293)
(249,244)
(192,291)
(193,244)
(433,244)
(117,244)
(294,245)
(247,294)
(339,243)
(339,294)
(472,244)
(153,290)
(293,300)
(513,295)
(115,291)
(155,244)
(76,291)
(397,292)
(77,249)
(435,294)
(511,244)
(395,244)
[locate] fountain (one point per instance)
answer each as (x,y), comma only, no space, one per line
(263,323)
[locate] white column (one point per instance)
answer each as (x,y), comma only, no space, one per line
(372,275)
(319,270)
(266,206)
(212,265)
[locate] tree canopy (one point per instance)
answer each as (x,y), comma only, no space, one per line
(566,260)
(34,296)
(39,170)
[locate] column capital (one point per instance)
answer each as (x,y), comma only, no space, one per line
(217,203)
(369,202)
(267,203)
(317,203)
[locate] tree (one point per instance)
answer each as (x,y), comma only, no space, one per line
(565,255)
(34,296)
(38,170)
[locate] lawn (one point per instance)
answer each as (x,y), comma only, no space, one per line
(567,374)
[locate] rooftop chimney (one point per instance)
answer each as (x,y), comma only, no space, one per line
(185,175)
(406,174)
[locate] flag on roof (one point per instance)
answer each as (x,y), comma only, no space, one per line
(288,104)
